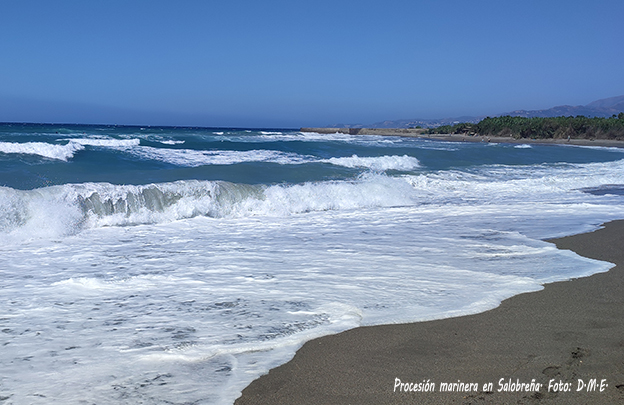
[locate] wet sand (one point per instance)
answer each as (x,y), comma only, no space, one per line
(570,331)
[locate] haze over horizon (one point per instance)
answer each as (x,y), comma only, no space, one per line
(291,64)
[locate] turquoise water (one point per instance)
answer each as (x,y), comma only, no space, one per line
(175,265)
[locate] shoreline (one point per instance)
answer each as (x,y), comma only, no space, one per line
(569,331)
(420,133)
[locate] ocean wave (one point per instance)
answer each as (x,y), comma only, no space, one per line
(195,158)
(495,184)
(107,143)
(275,136)
(269,136)
(66,151)
(71,208)
(381,163)
(44,149)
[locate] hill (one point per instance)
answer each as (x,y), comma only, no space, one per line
(606,107)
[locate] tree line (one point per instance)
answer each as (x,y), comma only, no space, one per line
(541,127)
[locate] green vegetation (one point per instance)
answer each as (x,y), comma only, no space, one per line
(541,128)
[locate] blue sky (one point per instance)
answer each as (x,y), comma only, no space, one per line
(302,63)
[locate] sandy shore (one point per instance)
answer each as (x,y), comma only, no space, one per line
(569,331)
(420,133)
(499,139)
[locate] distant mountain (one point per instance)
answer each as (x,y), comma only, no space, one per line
(423,122)
(611,102)
(600,108)
(605,107)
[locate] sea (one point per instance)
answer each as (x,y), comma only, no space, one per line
(168,265)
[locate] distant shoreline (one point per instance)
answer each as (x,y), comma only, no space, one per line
(421,133)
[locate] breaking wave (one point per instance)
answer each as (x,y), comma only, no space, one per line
(195,158)
(70,208)
(381,163)
(66,151)
(107,143)
(44,149)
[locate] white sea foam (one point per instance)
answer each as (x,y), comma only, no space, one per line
(315,136)
(274,136)
(381,163)
(48,150)
(62,210)
(91,285)
(66,151)
(186,291)
(370,140)
(67,209)
(268,136)
(107,143)
(194,310)
(194,158)
(218,282)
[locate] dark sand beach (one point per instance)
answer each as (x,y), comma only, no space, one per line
(569,331)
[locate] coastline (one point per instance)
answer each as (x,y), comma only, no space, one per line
(420,133)
(569,331)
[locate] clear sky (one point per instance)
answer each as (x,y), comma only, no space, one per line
(302,63)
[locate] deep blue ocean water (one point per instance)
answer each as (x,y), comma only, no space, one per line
(175,265)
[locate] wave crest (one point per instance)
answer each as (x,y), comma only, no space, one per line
(380,163)
(195,158)
(108,143)
(68,209)
(44,149)
(66,151)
